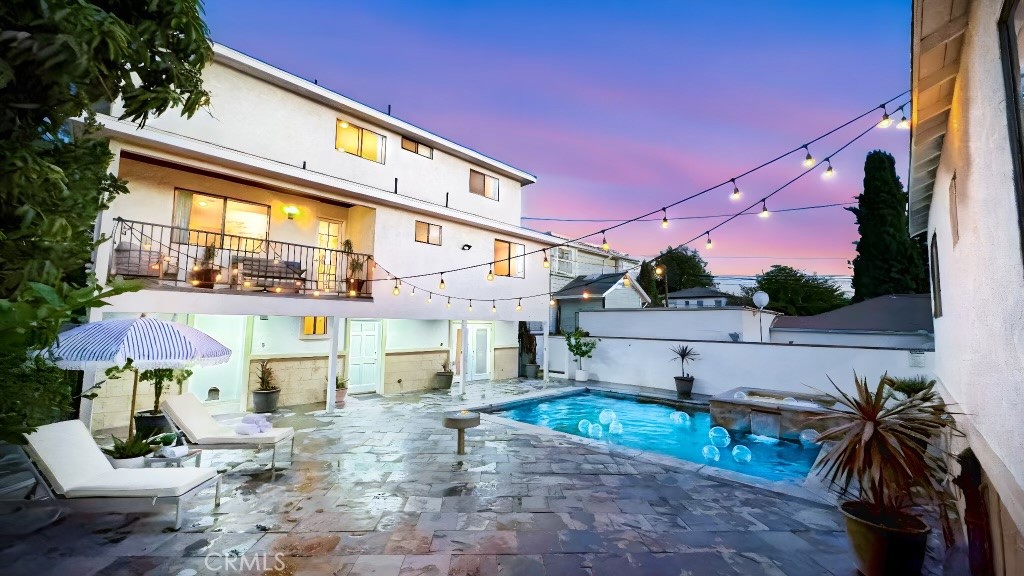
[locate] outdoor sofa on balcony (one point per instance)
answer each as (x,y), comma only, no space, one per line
(272,275)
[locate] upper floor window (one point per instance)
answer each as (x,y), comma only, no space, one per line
(359,141)
(417,148)
(563,261)
(509,259)
(428,233)
(203,219)
(933,252)
(482,184)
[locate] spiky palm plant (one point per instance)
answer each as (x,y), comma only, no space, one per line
(684,354)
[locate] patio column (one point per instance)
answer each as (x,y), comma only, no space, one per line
(465,358)
(547,361)
(332,362)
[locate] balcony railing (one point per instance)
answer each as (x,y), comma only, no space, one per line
(199,259)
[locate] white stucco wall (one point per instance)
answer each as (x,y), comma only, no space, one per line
(979,340)
(922,341)
(685,323)
(416,334)
(281,335)
(726,365)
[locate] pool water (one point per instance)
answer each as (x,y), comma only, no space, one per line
(681,433)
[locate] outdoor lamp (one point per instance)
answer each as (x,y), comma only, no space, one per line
(291,211)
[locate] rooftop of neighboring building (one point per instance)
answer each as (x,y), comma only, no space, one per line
(597,285)
(699,292)
(895,313)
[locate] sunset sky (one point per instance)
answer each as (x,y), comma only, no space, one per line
(620,108)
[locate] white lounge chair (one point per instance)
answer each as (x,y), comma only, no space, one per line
(82,477)
(189,414)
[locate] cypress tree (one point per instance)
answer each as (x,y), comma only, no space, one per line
(888,260)
(645,278)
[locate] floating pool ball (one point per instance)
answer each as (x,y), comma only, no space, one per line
(719,436)
(809,437)
(606,417)
(595,431)
(741,454)
(681,418)
(711,453)
(615,427)
(584,426)
(789,400)
(741,395)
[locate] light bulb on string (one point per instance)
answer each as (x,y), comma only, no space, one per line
(441,285)
(449,304)
(829,173)
(904,123)
(664,218)
(547,264)
(494,307)
(490,275)
(413,293)
(604,242)
(396,291)
(552,302)
(470,305)
(736,194)
(885,122)
(519,305)
(708,245)
(586,294)
(808,160)
(764,210)
(626,282)
(430,297)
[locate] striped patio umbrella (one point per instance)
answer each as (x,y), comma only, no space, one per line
(148,342)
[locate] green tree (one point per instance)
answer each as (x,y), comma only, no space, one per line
(648,282)
(58,59)
(685,269)
(888,260)
(797,293)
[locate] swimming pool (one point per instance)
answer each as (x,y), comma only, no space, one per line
(681,433)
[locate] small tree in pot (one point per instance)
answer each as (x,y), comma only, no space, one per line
(446,375)
(581,346)
(528,350)
(884,460)
(684,353)
(153,421)
(264,398)
(340,390)
(208,272)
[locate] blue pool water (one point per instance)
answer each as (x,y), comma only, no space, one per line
(664,429)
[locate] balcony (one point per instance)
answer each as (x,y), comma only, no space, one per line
(171,257)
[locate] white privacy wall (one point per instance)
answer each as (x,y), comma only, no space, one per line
(682,323)
(726,365)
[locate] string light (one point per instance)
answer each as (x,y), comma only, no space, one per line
(664,218)
(764,210)
(490,275)
(885,122)
(626,282)
(546,263)
(449,304)
(604,241)
(430,297)
(470,305)
(736,194)
(658,270)
(397,290)
(316,293)
(352,292)
(904,123)
(413,293)
(441,285)
(829,172)
(552,302)
(494,307)
(808,160)
(586,294)
(519,305)
(708,245)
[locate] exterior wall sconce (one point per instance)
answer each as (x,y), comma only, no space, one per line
(291,211)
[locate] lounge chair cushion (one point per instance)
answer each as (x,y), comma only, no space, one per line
(142,482)
(191,416)
(67,454)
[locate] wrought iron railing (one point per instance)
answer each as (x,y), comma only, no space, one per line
(200,259)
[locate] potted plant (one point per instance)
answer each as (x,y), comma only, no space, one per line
(581,346)
(151,422)
(207,273)
(129,453)
(882,461)
(265,397)
(445,376)
(355,268)
(528,349)
(684,353)
(340,391)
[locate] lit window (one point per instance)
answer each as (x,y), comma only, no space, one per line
(202,219)
(428,233)
(417,148)
(509,259)
(314,326)
(359,141)
(483,185)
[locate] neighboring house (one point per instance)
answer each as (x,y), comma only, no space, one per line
(584,259)
(697,298)
(284,210)
(967,195)
(595,292)
(901,321)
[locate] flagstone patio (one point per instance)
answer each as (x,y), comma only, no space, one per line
(378,489)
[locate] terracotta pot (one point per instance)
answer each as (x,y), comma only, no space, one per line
(882,550)
(356,284)
(444,380)
(684,385)
(339,397)
(206,277)
(264,401)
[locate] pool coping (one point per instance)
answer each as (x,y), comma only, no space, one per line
(811,490)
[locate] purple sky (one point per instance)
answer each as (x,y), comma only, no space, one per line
(620,108)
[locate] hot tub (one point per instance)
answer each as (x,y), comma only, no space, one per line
(772,413)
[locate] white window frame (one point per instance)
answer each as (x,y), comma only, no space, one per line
(560,261)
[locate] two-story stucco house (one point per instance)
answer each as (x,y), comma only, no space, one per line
(967,195)
(301,227)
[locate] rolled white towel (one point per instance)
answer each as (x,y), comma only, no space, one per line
(254,418)
(246,429)
(172,451)
(265,426)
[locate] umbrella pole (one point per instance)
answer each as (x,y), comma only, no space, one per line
(131,415)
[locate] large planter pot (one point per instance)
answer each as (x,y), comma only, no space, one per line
(684,385)
(444,380)
(882,550)
(137,462)
(356,284)
(205,277)
(149,424)
(339,397)
(582,375)
(530,370)
(265,400)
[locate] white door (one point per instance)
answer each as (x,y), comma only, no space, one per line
(479,351)
(363,356)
